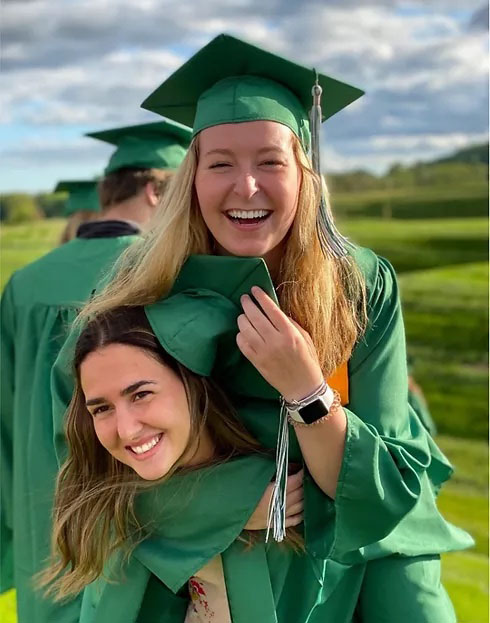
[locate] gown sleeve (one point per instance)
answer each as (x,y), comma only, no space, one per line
(7,365)
(62,386)
(384,459)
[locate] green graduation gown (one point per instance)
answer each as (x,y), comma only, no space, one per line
(384,506)
(37,306)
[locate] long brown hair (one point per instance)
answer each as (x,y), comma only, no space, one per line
(325,295)
(94,500)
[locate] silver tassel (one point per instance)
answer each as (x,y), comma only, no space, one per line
(332,242)
(276,516)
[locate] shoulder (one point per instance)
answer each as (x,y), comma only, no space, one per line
(378,274)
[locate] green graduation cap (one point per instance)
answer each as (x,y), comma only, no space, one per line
(82,195)
(158,145)
(198,325)
(231,81)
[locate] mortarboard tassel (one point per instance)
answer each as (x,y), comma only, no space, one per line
(276,518)
(333,244)
(331,240)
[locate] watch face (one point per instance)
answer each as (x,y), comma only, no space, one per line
(313,412)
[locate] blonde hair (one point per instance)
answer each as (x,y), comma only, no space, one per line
(324,295)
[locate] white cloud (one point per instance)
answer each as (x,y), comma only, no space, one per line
(92,62)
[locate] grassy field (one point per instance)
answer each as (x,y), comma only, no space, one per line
(443,268)
(443,274)
(421,202)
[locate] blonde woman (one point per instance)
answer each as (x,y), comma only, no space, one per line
(247,188)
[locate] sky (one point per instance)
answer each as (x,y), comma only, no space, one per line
(75,66)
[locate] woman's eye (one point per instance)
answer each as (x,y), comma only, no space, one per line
(272,163)
(141,395)
(99,410)
(219,165)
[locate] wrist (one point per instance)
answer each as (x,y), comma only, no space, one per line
(304,393)
(317,407)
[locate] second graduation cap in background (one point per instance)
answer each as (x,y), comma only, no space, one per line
(82,196)
(157,145)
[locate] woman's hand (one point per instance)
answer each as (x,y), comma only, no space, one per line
(278,347)
(294,504)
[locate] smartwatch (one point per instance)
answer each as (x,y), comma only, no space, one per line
(314,410)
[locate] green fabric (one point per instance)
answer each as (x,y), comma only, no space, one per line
(421,408)
(385,496)
(407,579)
(160,145)
(37,307)
(176,550)
(82,195)
(251,98)
(231,81)
(178,319)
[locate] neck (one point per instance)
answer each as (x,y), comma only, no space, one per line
(132,210)
(203,450)
(273,260)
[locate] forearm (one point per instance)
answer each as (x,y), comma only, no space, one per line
(322,446)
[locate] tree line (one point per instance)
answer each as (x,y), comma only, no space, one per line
(464,168)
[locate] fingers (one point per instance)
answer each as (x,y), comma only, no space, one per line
(295,520)
(273,312)
(295,481)
(294,494)
(257,318)
(295,509)
(303,332)
(294,497)
(249,332)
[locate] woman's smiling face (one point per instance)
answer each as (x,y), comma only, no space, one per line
(139,408)
(247,184)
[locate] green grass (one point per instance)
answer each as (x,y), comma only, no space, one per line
(21,244)
(465,577)
(443,275)
(446,317)
(427,202)
(464,502)
(7,607)
(415,245)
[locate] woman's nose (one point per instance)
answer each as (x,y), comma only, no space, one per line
(246,185)
(128,426)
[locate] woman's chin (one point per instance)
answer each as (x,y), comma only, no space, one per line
(239,250)
(153,473)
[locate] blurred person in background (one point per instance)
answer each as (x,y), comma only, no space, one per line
(37,306)
(418,402)
(82,205)
(246,188)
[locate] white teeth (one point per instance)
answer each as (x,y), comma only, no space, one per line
(242,214)
(146,446)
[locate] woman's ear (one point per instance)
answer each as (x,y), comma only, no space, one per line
(150,194)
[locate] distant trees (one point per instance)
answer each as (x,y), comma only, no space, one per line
(19,208)
(466,167)
(52,204)
(449,173)
(22,207)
